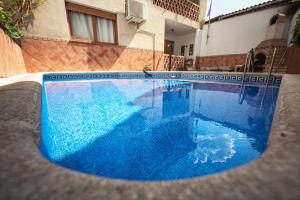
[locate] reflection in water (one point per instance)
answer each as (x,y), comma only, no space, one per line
(176,99)
(213,148)
(153,129)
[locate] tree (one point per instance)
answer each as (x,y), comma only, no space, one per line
(296,35)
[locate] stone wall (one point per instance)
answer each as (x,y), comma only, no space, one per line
(48,55)
(221,61)
(228,62)
(11,59)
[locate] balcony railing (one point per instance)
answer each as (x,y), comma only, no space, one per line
(185,8)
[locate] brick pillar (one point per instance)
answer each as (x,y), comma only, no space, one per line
(267,47)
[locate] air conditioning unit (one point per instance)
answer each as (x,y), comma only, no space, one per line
(136,11)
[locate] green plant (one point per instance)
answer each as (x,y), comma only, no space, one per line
(9,26)
(22,11)
(17,15)
(296,35)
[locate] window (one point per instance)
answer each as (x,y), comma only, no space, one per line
(182,50)
(105,30)
(191,51)
(89,24)
(82,25)
(274,20)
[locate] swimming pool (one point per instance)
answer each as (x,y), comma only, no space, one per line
(154,129)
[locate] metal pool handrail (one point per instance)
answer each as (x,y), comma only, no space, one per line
(268,77)
(246,69)
(272,65)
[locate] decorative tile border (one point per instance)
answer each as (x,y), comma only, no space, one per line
(235,78)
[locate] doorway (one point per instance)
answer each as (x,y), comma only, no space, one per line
(169,47)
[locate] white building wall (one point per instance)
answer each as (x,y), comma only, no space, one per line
(182,40)
(198,42)
(238,34)
(51,22)
(186,41)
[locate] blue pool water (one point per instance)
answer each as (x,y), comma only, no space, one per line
(150,130)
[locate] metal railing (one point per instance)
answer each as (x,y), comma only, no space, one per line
(272,66)
(268,77)
(248,63)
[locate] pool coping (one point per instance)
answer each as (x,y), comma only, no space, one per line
(231,78)
(26,175)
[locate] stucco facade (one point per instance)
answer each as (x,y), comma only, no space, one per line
(51,22)
(241,33)
(182,40)
(227,39)
(48,43)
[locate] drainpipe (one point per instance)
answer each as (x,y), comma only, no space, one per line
(153,36)
(170,61)
(197,46)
